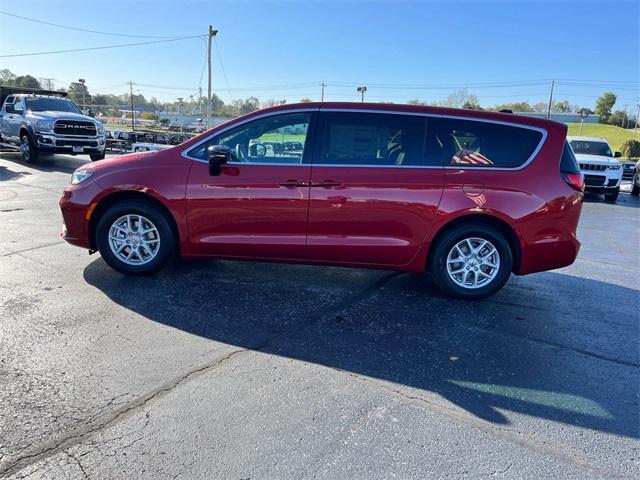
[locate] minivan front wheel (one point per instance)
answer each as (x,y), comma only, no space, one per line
(471,261)
(135,237)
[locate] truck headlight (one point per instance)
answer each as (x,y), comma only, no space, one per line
(80,176)
(44,125)
(100,128)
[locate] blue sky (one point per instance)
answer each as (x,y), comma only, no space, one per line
(296,45)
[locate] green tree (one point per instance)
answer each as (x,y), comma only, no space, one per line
(562,107)
(305,100)
(7,77)
(26,81)
(79,93)
(631,149)
(515,107)
(604,105)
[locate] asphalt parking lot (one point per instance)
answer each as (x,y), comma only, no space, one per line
(229,370)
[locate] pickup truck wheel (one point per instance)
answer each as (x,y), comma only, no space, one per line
(612,197)
(96,156)
(28,149)
(635,187)
(471,261)
(135,238)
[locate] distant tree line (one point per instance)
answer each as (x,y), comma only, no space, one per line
(108,104)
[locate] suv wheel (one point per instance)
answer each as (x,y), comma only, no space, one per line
(635,187)
(96,156)
(135,238)
(471,261)
(28,149)
(612,197)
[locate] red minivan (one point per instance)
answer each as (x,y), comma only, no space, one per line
(470,196)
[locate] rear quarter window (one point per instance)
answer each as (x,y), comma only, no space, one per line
(472,143)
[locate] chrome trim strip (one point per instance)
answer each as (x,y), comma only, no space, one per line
(390,112)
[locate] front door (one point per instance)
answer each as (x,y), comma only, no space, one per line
(373,195)
(257,207)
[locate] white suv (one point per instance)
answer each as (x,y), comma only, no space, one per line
(602,173)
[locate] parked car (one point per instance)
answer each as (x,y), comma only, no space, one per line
(602,172)
(628,169)
(470,196)
(635,182)
(39,122)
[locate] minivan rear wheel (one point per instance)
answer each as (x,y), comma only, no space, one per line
(471,261)
(135,237)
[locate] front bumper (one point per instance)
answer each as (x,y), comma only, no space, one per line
(76,204)
(52,143)
(604,182)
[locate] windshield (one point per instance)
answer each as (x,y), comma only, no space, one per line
(591,148)
(42,104)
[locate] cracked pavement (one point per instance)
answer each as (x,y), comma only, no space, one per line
(216,369)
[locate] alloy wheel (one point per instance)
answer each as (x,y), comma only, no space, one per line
(473,263)
(134,239)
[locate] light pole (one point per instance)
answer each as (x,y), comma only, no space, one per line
(180,112)
(81,81)
(584,113)
(362,91)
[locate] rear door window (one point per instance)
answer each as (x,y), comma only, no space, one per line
(372,139)
(470,143)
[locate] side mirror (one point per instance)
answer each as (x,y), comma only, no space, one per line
(617,155)
(219,155)
(258,150)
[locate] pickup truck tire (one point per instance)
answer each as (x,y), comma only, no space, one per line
(612,197)
(96,156)
(28,148)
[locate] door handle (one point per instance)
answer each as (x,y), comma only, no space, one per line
(293,184)
(326,184)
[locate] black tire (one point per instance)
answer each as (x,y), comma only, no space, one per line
(96,156)
(635,188)
(612,197)
(168,244)
(30,154)
(440,252)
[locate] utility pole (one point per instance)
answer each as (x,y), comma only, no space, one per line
(133,114)
(212,33)
(180,112)
(550,100)
(47,82)
(624,115)
(322,95)
(81,81)
(635,127)
(199,100)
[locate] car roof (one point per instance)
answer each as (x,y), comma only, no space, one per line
(587,139)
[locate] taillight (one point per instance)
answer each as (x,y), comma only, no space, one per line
(574,180)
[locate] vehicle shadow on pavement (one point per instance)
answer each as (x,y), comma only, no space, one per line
(47,163)
(624,200)
(546,348)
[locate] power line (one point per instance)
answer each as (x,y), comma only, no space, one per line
(78,29)
(224,73)
(98,48)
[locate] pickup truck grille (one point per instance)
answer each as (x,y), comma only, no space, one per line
(587,166)
(74,127)
(594,180)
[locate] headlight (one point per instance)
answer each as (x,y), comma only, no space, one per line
(80,176)
(44,125)
(100,128)
(614,167)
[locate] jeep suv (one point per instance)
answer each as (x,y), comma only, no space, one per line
(469,196)
(602,172)
(42,123)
